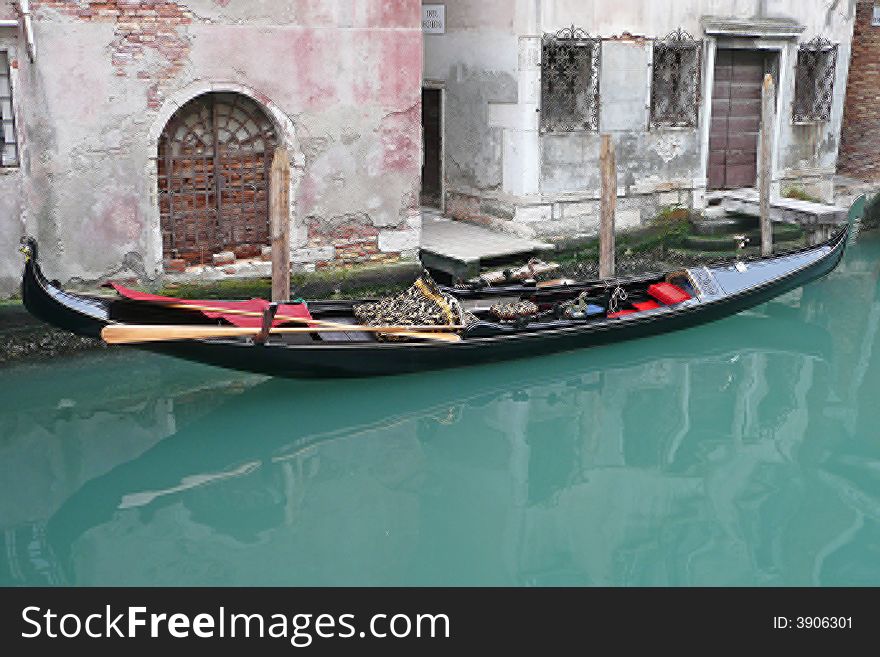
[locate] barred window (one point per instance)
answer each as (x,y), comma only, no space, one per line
(570,81)
(675,80)
(8,144)
(814,81)
(875,16)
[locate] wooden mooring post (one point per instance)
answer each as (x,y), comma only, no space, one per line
(765,162)
(279,224)
(607,209)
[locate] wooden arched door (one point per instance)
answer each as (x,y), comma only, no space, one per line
(214,160)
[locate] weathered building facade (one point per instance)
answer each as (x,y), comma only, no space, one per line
(529,86)
(138,134)
(860,138)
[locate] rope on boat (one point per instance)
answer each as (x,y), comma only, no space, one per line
(617,296)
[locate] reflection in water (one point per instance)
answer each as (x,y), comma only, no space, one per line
(740,453)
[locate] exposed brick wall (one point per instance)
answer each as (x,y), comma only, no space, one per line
(355,241)
(140,26)
(860,138)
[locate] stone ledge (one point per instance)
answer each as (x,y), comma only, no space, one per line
(752,27)
(788,210)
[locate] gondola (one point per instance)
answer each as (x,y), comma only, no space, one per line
(632,308)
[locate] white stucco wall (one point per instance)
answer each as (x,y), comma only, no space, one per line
(670,164)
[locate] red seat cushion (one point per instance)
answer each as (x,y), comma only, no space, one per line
(621,314)
(646,305)
(251,318)
(668,293)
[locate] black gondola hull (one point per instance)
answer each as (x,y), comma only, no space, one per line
(351,360)
(360,359)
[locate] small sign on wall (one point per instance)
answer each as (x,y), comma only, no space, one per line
(434,19)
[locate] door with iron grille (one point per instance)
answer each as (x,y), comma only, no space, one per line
(214,160)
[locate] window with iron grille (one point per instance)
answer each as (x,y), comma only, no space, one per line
(875,16)
(675,80)
(8,143)
(814,81)
(570,81)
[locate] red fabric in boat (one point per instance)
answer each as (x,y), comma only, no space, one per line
(668,293)
(243,321)
(621,314)
(646,305)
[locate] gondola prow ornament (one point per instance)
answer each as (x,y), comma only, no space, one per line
(28,246)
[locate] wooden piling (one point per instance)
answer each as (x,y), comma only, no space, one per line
(608,207)
(279,223)
(765,162)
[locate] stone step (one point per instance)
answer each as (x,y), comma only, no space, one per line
(781,232)
(727,226)
(788,210)
(459,249)
(724,242)
(714,213)
(711,242)
(713,199)
(710,256)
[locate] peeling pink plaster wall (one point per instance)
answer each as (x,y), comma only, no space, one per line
(347,73)
(7,10)
(10,179)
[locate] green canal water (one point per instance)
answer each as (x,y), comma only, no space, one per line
(745,452)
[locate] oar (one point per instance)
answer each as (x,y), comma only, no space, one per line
(132,333)
(318,322)
(557,282)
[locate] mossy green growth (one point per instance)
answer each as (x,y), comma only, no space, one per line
(642,240)
(673,223)
(800,194)
(227,289)
(330,283)
(630,242)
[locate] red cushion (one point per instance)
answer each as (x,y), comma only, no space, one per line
(668,293)
(621,314)
(646,305)
(253,307)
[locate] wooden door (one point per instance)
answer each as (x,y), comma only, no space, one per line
(736,118)
(213,166)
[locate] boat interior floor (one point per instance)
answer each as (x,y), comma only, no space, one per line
(325,336)
(594,304)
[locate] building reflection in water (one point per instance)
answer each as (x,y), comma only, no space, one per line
(741,453)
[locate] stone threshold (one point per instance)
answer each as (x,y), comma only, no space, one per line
(788,210)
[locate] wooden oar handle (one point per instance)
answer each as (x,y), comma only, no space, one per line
(131,333)
(134,333)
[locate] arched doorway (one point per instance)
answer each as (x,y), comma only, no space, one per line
(215,154)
